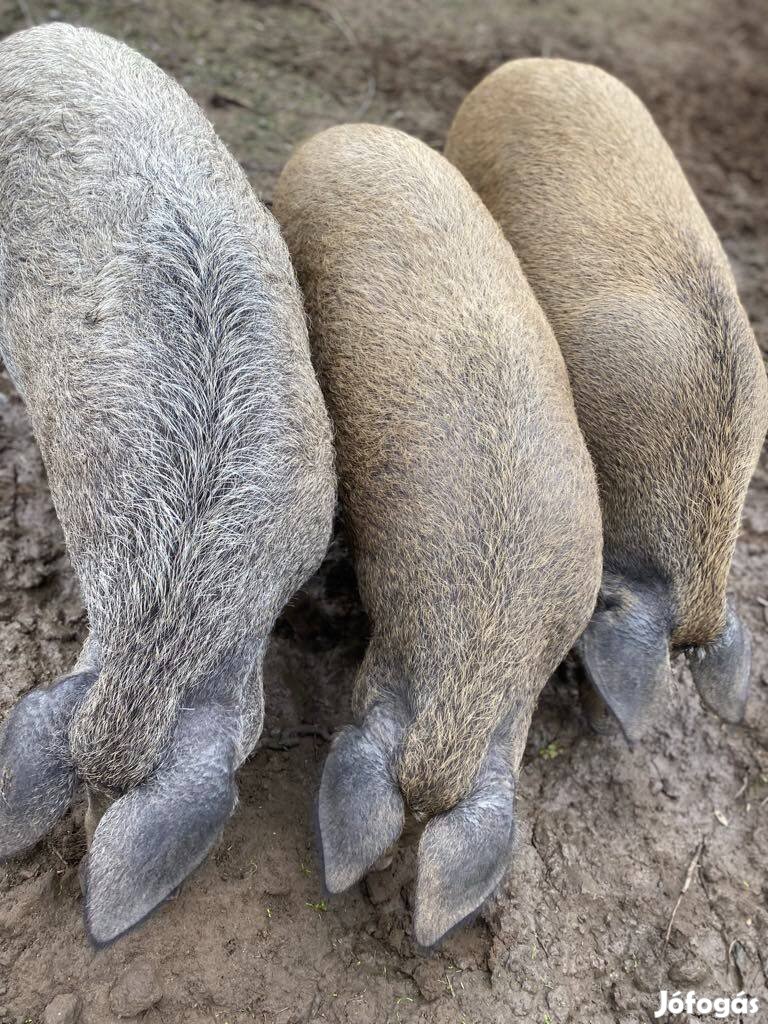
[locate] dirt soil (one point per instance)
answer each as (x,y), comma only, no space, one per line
(608,834)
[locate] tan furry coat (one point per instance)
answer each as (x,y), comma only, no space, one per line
(668,382)
(465,484)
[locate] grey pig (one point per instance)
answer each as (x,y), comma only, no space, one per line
(469,496)
(152,323)
(668,381)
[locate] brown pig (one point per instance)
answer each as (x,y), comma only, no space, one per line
(468,493)
(668,382)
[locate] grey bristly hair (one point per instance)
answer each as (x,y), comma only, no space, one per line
(152,323)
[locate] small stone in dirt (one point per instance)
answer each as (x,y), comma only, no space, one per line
(430,980)
(136,990)
(64,1009)
(379,887)
(689,972)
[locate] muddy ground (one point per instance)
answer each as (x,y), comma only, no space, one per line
(578,932)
